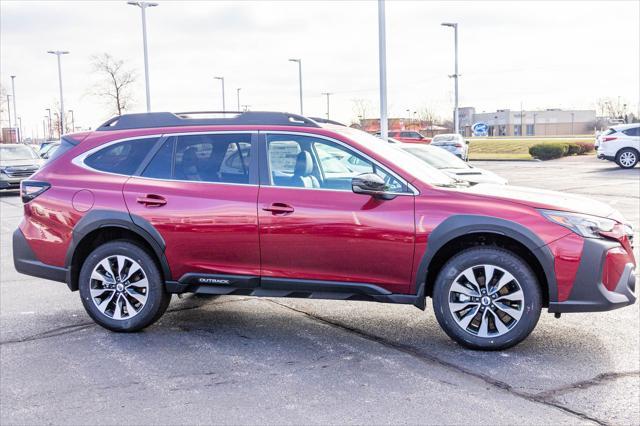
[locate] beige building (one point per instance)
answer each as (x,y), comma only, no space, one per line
(549,122)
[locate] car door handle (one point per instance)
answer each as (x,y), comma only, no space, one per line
(152,200)
(279,208)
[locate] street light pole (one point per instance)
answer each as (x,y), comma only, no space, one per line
(327,94)
(456,118)
(238,97)
(59,53)
(9,111)
(223,104)
(73,121)
(299,61)
(382,61)
(15,111)
(143,5)
(50,131)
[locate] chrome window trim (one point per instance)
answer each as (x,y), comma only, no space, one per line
(79,160)
(413,189)
(193,181)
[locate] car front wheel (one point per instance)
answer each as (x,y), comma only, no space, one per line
(121,287)
(487,298)
(627,158)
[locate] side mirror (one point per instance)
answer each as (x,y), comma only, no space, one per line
(466,141)
(371,184)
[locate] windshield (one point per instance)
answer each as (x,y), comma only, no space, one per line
(437,157)
(403,160)
(17,152)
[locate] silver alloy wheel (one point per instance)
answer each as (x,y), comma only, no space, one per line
(486,301)
(119,287)
(627,159)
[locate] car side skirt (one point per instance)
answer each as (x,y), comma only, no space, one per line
(241,285)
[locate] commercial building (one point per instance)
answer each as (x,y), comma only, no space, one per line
(549,122)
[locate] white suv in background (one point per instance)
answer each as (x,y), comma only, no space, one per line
(620,144)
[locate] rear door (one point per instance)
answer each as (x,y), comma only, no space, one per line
(200,192)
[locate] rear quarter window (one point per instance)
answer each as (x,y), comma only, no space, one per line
(122,158)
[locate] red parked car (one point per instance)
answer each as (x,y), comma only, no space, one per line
(409,136)
(267,204)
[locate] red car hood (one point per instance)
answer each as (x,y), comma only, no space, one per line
(544,199)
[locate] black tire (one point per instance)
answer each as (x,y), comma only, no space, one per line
(507,261)
(627,158)
(157,298)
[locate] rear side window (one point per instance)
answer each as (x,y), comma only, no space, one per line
(203,158)
(122,158)
(634,131)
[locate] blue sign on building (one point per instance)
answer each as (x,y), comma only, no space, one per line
(480,129)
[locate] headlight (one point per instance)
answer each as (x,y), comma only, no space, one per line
(582,224)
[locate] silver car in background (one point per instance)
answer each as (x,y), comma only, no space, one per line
(17,162)
(451,165)
(454,143)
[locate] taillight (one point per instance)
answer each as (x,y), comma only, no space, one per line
(458,145)
(609,138)
(30,189)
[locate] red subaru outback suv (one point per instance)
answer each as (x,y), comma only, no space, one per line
(277,205)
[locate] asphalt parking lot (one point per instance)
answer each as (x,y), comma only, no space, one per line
(288,361)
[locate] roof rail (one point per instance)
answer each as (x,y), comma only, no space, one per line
(168,119)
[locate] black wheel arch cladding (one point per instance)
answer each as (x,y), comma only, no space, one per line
(457,226)
(102,219)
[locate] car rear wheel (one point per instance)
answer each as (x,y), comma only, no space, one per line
(121,287)
(627,158)
(487,298)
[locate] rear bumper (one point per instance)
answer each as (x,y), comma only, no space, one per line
(589,294)
(26,262)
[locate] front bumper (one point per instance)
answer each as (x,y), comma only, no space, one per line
(589,293)
(9,183)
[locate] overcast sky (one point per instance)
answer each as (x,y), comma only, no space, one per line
(544,54)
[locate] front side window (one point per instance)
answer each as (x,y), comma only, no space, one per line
(306,162)
(222,158)
(122,158)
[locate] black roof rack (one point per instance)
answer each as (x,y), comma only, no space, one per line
(169,119)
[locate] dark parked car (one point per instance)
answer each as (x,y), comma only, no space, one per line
(259,204)
(17,162)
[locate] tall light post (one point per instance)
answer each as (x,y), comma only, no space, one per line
(50,131)
(19,128)
(382,60)
(299,61)
(327,94)
(15,111)
(572,120)
(9,110)
(58,121)
(44,128)
(238,97)
(456,119)
(59,53)
(223,102)
(73,121)
(143,5)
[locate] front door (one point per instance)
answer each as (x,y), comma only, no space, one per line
(313,227)
(199,192)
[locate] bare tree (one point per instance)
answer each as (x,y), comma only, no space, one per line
(360,109)
(115,84)
(612,108)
